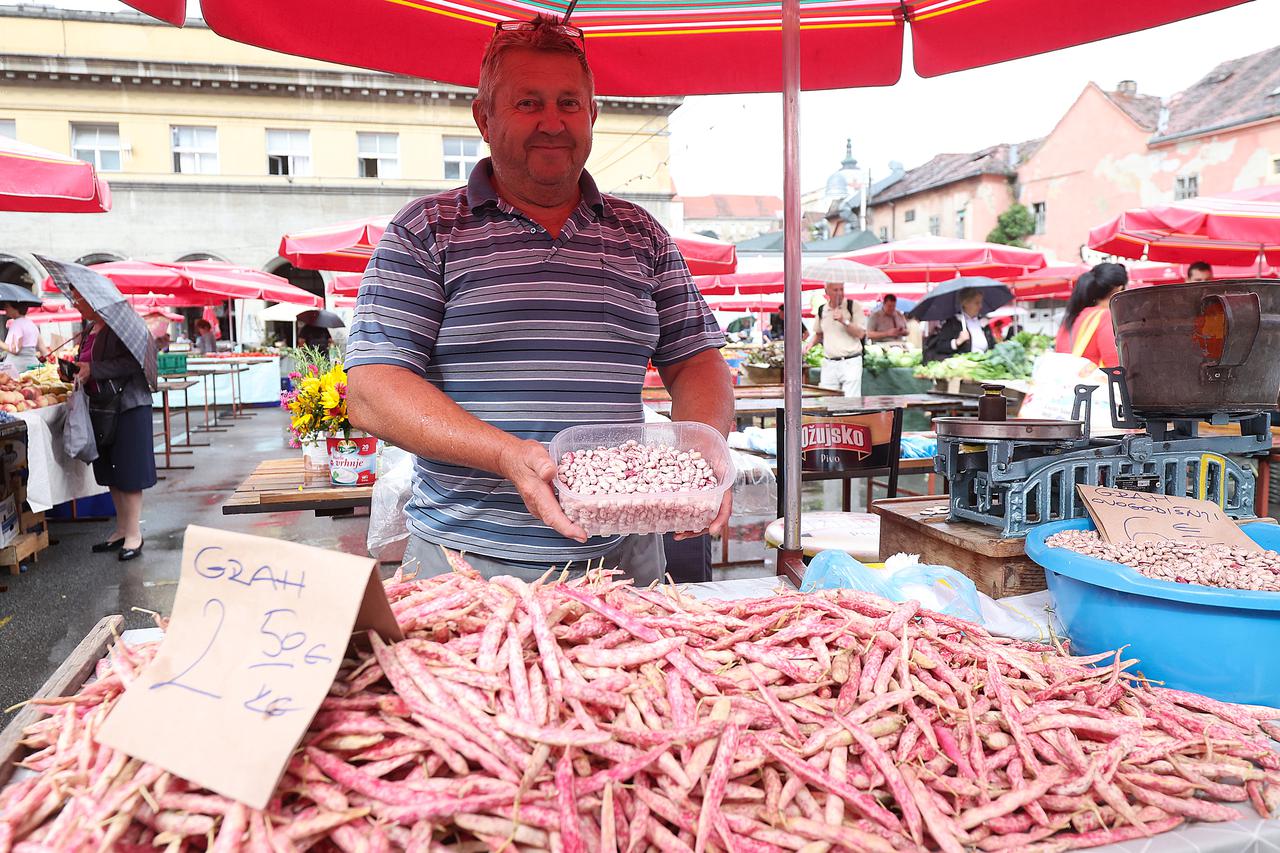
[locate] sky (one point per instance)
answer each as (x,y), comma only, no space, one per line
(733,143)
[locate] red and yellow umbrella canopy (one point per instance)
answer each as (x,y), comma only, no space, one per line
(33,180)
(1220,231)
(686,47)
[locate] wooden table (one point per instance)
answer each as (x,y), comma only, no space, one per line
(997,566)
(744,392)
(752,408)
(284,485)
(164,388)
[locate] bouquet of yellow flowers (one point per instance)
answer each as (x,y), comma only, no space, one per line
(318,402)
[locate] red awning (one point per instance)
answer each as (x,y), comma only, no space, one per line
(1220,231)
(201,283)
(934,259)
(686,48)
(747,283)
(34,180)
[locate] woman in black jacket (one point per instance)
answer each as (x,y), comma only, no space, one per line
(965,332)
(120,405)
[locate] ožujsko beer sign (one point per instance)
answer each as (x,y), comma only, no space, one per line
(834,444)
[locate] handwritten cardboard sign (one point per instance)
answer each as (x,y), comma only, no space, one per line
(1124,516)
(258,630)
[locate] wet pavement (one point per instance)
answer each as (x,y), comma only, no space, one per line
(49,608)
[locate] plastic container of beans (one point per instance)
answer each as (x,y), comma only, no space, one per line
(649,512)
(1204,639)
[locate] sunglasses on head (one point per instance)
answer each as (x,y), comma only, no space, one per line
(528,26)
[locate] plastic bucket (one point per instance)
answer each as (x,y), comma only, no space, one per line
(1218,642)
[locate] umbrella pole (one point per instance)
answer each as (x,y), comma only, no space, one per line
(790,557)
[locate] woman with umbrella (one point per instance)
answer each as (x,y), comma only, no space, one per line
(23,344)
(961,304)
(117,363)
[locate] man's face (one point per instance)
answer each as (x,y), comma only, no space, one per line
(1199,275)
(539,124)
(835,294)
(890,305)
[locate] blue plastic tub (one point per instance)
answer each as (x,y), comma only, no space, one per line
(1223,643)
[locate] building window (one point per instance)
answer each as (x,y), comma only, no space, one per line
(1186,186)
(960,217)
(884,233)
(289,152)
(98,144)
(909,216)
(461,153)
(1275,164)
(379,155)
(935,225)
(195,150)
(1039,211)
(9,128)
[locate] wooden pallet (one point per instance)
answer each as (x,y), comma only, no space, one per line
(66,680)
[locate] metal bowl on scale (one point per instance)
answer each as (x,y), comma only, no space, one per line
(1012,429)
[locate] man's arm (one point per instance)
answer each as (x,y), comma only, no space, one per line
(702,391)
(815,337)
(423,420)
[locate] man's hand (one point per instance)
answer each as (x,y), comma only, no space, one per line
(532,471)
(719,523)
(962,338)
(839,315)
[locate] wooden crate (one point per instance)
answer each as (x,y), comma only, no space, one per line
(66,680)
(997,566)
(26,546)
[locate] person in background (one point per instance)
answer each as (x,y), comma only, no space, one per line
(23,343)
(316,337)
(776,325)
(1199,271)
(887,323)
(840,331)
(1087,327)
(205,341)
(965,332)
(126,461)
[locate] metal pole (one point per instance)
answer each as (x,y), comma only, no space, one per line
(792,224)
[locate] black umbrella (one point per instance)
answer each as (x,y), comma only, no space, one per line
(15,295)
(104,298)
(321,319)
(943,302)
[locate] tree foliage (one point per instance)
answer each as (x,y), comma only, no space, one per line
(1013,226)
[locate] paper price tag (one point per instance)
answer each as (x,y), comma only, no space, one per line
(258,630)
(1124,516)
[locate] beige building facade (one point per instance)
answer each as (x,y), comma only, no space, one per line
(215,149)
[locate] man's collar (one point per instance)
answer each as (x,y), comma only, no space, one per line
(480,189)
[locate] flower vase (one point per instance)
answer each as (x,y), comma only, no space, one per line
(315,453)
(353,458)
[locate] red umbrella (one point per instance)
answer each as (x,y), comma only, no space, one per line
(686,48)
(1220,231)
(747,282)
(1056,281)
(347,247)
(345,285)
(202,282)
(933,259)
(208,275)
(34,180)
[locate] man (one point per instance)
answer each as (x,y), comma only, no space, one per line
(887,323)
(1199,271)
(493,316)
(840,331)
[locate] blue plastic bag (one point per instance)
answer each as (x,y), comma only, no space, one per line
(938,588)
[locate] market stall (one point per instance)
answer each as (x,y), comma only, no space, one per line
(247,379)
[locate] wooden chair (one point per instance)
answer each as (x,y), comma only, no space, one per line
(844,446)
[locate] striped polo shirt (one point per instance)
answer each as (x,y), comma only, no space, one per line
(528,332)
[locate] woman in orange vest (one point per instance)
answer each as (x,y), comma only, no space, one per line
(1086,330)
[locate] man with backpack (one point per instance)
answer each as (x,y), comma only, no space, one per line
(840,330)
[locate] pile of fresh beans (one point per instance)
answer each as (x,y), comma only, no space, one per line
(590,716)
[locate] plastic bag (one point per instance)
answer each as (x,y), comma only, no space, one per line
(77,429)
(755,492)
(391,491)
(941,589)
(937,588)
(1053,391)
